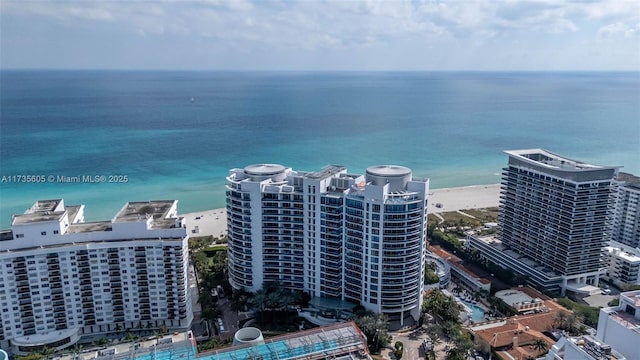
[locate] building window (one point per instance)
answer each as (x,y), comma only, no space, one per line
(19,236)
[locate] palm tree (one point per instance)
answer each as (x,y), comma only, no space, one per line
(77,350)
(47,352)
(164,329)
(540,345)
(101,341)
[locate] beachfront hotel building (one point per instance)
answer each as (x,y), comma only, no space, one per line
(553,220)
(332,234)
(64,278)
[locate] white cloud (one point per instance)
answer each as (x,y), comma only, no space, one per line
(619,29)
(349,28)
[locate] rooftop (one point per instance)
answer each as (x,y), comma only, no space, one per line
(622,253)
(89,227)
(41,211)
(625,319)
(595,348)
(550,160)
(525,329)
(326,171)
(137,211)
(388,170)
(632,297)
(455,261)
(317,343)
(493,241)
(630,180)
(264,169)
(513,296)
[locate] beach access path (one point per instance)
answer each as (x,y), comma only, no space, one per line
(214,222)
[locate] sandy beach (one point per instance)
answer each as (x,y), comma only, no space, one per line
(207,222)
(214,222)
(466,197)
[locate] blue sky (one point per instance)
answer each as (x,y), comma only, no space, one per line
(321,35)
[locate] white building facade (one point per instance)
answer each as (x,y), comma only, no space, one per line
(623,264)
(330,233)
(619,326)
(64,278)
(584,347)
(625,223)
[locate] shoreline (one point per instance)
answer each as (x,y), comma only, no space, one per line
(214,222)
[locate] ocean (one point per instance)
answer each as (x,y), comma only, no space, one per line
(175,135)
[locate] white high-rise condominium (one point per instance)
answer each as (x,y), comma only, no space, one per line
(63,278)
(330,233)
(625,224)
(553,211)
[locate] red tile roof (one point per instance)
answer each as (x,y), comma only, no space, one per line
(457,262)
(524,329)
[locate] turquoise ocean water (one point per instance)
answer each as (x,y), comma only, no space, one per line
(176,134)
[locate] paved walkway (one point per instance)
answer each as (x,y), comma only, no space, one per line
(412,341)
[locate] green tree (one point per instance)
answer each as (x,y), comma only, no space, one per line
(430,276)
(101,341)
(398,349)
(433,331)
(455,353)
(462,341)
(442,306)
(131,337)
(211,313)
(560,320)
(375,328)
(540,345)
(47,352)
(34,355)
(238,301)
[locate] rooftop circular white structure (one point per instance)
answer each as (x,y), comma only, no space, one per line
(395,175)
(388,170)
(3,355)
(248,335)
(264,171)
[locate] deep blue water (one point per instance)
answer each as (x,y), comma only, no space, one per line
(451,127)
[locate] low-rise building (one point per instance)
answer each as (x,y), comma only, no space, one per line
(339,341)
(519,301)
(493,250)
(443,270)
(623,264)
(514,337)
(461,273)
(619,326)
(583,347)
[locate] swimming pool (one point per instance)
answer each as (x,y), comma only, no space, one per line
(477,313)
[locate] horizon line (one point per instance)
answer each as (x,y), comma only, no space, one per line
(334,70)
